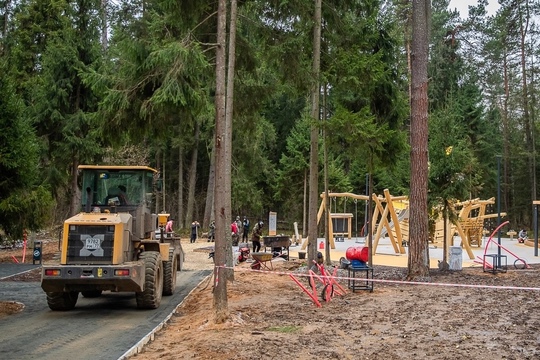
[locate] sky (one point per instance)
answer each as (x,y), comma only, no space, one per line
(463,6)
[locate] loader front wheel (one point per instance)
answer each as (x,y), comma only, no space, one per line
(150,297)
(62,301)
(169,274)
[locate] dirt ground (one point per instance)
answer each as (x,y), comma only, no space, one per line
(456,315)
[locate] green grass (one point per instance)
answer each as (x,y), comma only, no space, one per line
(285,329)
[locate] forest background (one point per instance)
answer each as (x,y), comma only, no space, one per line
(133,82)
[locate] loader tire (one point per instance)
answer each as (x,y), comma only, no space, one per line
(62,301)
(169,274)
(150,297)
(91,293)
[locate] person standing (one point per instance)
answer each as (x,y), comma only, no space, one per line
(234,233)
(194,231)
(212,231)
(245,225)
(169,225)
(256,236)
(239,227)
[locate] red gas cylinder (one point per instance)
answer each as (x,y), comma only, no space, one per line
(350,254)
(357,253)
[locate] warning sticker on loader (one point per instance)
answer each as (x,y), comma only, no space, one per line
(92,245)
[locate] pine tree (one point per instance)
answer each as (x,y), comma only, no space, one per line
(24,202)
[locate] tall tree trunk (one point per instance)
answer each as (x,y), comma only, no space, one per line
(209,206)
(192,181)
(158,166)
(524,27)
(419,233)
(407,40)
(506,137)
(104,31)
(180,210)
(229,117)
(222,194)
(327,217)
(164,185)
(76,192)
(75,203)
(7,4)
(314,141)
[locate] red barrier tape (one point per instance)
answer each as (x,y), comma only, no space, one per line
(398,282)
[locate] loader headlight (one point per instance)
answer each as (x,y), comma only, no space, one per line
(72,227)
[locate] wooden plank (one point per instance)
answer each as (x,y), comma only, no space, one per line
(398,240)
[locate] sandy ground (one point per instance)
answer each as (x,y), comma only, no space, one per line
(456,315)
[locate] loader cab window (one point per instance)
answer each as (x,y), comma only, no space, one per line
(114,187)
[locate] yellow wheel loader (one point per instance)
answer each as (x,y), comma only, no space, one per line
(112,244)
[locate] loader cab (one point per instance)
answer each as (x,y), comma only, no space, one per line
(117,188)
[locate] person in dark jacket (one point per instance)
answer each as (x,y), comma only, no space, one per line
(194,231)
(245,225)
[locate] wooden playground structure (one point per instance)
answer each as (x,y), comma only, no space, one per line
(470,224)
(390,210)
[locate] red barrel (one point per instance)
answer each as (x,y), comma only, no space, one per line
(357,253)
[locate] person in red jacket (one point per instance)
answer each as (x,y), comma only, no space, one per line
(234,233)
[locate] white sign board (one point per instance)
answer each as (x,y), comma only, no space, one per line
(272,223)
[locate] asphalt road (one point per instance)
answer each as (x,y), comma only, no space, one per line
(100,328)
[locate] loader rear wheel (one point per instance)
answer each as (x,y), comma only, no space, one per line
(91,293)
(150,297)
(169,274)
(62,301)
